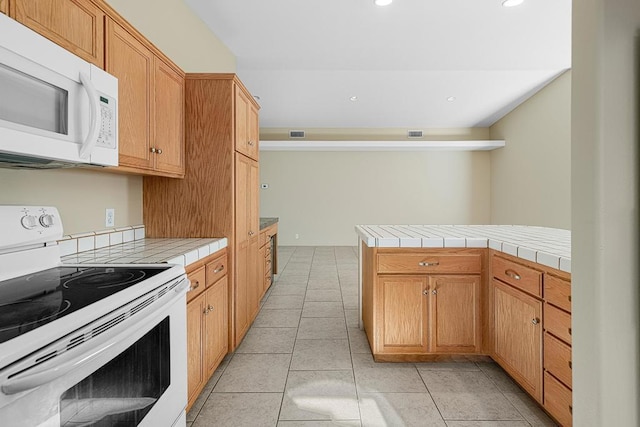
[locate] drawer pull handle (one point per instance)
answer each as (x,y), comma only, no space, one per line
(428,264)
(219,269)
(512,274)
(195,286)
(570,365)
(535,320)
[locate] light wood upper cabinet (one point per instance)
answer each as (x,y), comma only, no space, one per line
(518,336)
(402,314)
(76,25)
(151,106)
(132,63)
(168,131)
(455,313)
(4,7)
(246,125)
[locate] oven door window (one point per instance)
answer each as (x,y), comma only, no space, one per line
(123,391)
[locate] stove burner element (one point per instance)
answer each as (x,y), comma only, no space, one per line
(92,280)
(22,316)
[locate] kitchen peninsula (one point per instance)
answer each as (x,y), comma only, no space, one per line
(432,292)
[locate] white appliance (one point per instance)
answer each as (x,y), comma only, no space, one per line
(85,345)
(56,109)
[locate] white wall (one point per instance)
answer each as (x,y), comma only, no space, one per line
(605,156)
(531,176)
(83,195)
(322,195)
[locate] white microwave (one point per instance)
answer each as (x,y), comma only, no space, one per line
(56,109)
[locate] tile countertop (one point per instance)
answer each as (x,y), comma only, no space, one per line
(266,222)
(547,246)
(150,251)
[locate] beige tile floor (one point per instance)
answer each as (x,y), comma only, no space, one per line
(304,362)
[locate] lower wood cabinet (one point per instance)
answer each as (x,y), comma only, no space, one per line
(207,326)
(518,336)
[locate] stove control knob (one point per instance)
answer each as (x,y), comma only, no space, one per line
(29,222)
(46,220)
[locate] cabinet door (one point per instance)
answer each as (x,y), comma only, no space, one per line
(243,204)
(253,131)
(132,63)
(216,326)
(169,119)
(518,336)
(195,340)
(241,108)
(76,25)
(241,290)
(4,7)
(455,314)
(401,314)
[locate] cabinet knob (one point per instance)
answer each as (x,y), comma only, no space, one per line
(209,309)
(195,286)
(251,143)
(435,292)
(425,292)
(152,149)
(251,233)
(159,150)
(428,264)
(570,365)
(535,320)
(514,275)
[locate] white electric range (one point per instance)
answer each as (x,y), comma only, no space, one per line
(86,345)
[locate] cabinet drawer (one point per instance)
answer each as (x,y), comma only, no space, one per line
(557,359)
(198,282)
(428,263)
(557,292)
(517,275)
(557,322)
(558,400)
(216,269)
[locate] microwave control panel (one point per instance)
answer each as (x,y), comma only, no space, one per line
(109,121)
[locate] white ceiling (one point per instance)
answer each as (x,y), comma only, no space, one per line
(306,58)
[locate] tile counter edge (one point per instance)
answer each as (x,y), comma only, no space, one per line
(550,247)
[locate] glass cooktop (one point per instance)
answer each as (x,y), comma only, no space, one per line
(33,300)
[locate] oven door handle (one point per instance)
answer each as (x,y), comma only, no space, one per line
(70,360)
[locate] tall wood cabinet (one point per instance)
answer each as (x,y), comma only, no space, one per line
(76,25)
(219,193)
(4,7)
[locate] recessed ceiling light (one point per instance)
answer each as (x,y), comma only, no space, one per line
(511,3)
(353,98)
(451,98)
(382,2)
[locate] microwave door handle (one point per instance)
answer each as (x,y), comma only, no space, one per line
(94,126)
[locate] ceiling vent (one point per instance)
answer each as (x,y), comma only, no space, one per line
(414,134)
(296,134)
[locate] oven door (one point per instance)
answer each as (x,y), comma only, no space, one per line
(134,374)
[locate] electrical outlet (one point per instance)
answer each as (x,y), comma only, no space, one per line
(110,218)
(297,236)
